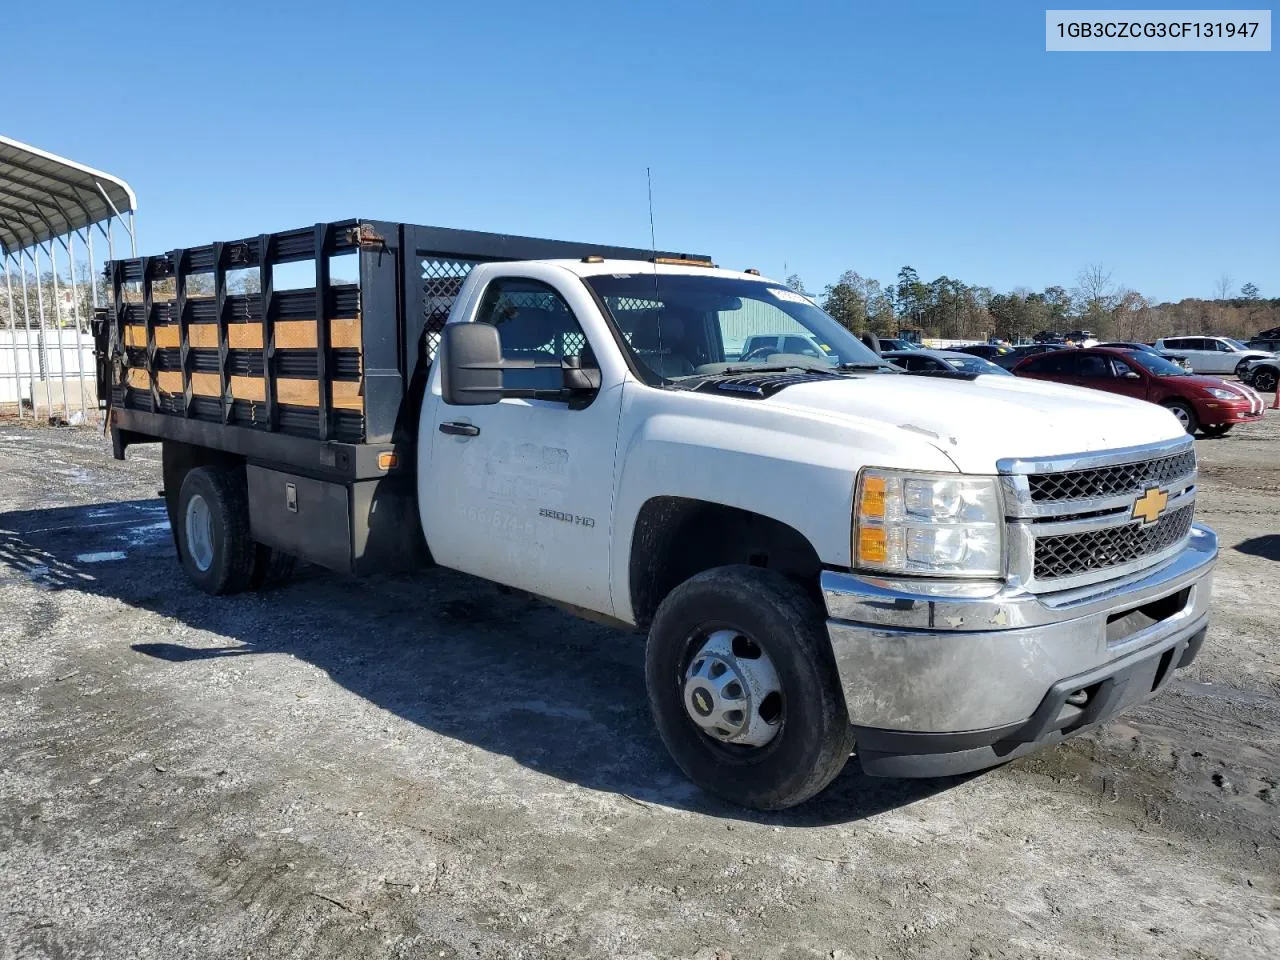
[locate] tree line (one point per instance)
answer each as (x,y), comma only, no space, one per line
(951,309)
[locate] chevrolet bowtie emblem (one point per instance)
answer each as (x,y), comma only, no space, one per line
(1150,505)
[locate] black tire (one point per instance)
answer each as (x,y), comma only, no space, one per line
(1185,412)
(231,559)
(814,740)
(1217,429)
(271,567)
(1264,380)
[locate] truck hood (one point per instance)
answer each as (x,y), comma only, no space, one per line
(978,422)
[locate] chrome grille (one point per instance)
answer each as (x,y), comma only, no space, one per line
(1070,520)
(1110,481)
(1070,555)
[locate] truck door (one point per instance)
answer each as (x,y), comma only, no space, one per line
(521,491)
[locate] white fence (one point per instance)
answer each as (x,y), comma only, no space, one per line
(48,373)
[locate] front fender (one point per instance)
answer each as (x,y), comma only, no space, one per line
(793,467)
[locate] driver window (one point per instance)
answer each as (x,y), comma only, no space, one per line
(535,324)
(1221,346)
(1121,368)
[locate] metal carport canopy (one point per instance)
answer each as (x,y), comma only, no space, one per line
(44,196)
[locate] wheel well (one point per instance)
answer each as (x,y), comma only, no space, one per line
(676,538)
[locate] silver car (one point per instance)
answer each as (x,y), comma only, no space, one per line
(1222,356)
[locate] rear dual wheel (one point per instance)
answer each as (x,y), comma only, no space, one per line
(212,532)
(744,689)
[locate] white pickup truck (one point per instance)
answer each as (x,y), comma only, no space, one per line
(936,573)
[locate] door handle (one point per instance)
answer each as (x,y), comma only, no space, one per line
(455,429)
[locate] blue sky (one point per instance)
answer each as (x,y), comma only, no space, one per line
(801,137)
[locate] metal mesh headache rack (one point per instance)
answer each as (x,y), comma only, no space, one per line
(329,361)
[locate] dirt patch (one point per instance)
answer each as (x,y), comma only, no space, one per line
(431,767)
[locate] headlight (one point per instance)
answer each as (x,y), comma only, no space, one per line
(932,524)
(1223,394)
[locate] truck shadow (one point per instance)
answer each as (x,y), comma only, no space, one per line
(1266,546)
(450,653)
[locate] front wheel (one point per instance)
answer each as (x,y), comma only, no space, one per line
(744,689)
(1185,414)
(1241,367)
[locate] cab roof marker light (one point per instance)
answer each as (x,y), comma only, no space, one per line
(681,261)
(593,259)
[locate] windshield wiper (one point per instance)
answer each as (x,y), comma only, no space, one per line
(866,366)
(775,368)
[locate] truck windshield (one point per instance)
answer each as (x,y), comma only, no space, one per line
(680,325)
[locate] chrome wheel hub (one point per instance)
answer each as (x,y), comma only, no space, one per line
(1183,417)
(732,691)
(199,526)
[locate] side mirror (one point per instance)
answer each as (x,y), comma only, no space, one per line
(577,378)
(1131,375)
(471,364)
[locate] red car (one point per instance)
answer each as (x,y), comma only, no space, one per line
(1208,404)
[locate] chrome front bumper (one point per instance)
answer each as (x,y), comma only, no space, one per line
(978,660)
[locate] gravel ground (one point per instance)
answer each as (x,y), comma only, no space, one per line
(431,767)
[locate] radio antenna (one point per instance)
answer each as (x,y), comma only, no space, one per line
(653,250)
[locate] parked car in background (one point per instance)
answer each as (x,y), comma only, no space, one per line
(1263,375)
(942,361)
(760,347)
(1208,404)
(987,351)
(1018,354)
(1048,336)
(1265,343)
(1177,358)
(891,344)
(1213,354)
